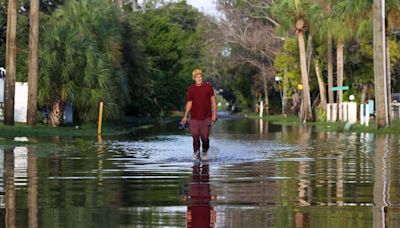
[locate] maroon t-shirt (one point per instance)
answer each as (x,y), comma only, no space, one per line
(201,100)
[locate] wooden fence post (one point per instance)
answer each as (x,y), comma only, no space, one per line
(100,118)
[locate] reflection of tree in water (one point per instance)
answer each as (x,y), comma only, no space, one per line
(200,213)
(32,189)
(10,187)
(15,161)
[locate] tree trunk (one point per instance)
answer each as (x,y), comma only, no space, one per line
(10,63)
(309,53)
(389,78)
(134,5)
(9,183)
(285,83)
(265,88)
(321,85)
(32,190)
(120,3)
(379,66)
(330,69)
(364,93)
(306,114)
(297,101)
(144,4)
(33,63)
(56,113)
(339,69)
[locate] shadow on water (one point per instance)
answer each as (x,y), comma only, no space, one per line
(258,175)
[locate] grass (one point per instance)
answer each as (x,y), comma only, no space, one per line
(126,125)
(20,129)
(129,125)
(275,119)
(394,127)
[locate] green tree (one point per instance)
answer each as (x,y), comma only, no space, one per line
(137,65)
(360,8)
(173,42)
(81,60)
(46,8)
(287,66)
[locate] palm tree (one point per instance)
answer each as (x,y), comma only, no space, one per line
(379,66)
(10,63)
(365,8)
(330,67)
(33,63)
(81,61)
(392,15)
(343,28)
(340,26)
(321,84)
(306,114)
(285,11)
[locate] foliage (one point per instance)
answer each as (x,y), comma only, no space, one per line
(140,63)
(46,8)
(287,65)
(241,84)
(360,62)
(288,11)
(91,51)
(137,67)
(81,58)
(173,43)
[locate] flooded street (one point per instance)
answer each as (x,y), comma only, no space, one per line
(257,175)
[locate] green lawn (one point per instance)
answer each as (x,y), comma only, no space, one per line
(394,127)
(20,129)
(122,126)
(129,125)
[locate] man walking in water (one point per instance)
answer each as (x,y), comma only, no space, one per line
(199,99)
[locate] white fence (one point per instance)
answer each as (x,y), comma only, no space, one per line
(20,102)
(365,114)
(1,90)
(347,112)
(396,110)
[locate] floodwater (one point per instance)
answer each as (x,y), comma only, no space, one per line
(257,175)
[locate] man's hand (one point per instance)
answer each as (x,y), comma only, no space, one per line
(214,109)
(214,117)
(184,120)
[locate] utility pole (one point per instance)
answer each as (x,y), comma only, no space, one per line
(33,63)
(381,99)
(10,63)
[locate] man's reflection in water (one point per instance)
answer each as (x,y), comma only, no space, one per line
(200,213)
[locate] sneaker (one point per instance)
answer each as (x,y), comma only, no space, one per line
(196,155)
(204,156)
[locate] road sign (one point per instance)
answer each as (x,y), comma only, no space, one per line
(338,88)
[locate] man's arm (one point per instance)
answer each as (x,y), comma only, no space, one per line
(187,110)
(214,109)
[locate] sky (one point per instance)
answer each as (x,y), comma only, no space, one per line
(206,6)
